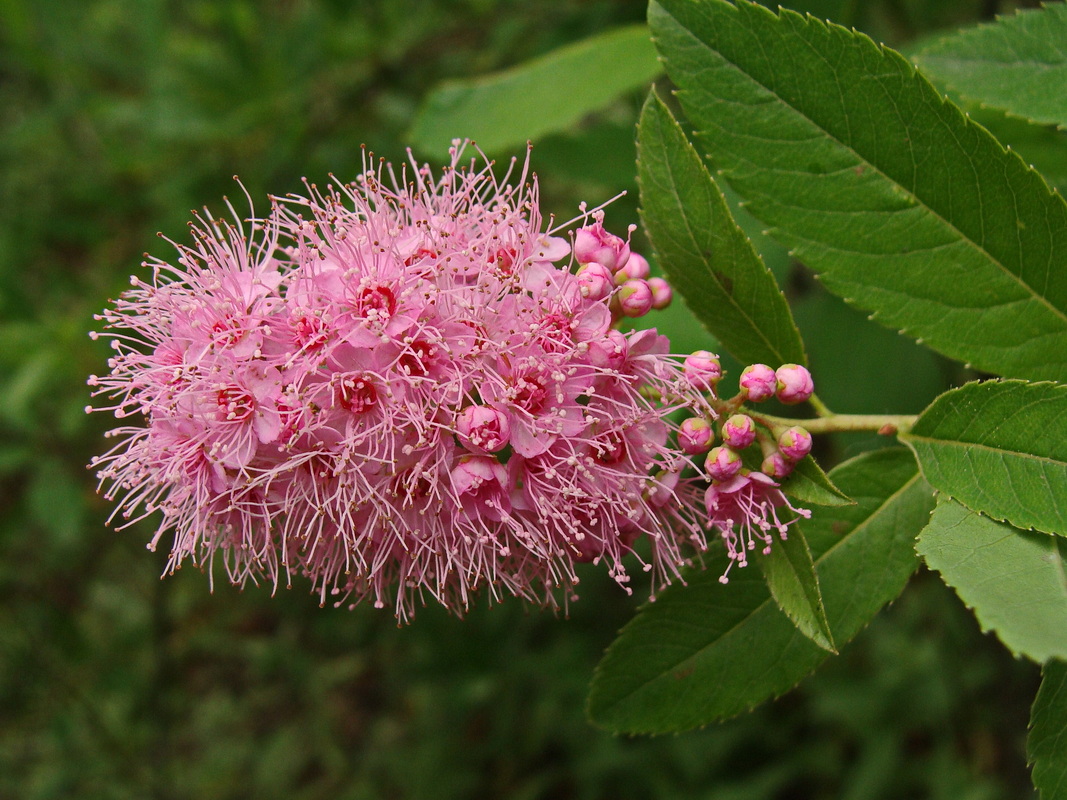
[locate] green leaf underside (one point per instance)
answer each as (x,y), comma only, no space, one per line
(708,651)
(1017,64)
(504,110)
(793,584)
(1013,579)
(908,209)
(809,484)
(706,256)
(1046,745)
(1000,448)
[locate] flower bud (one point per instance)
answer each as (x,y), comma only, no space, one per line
(610,352)
(776,466)
(702,370)
(662,294)
(722,463)
(635,298)
(739,431)
(794,443)
(593,243)
(595,281)
(482,429)
(695,435)
(481,484)
(758,382)
(794,384)
(635,268)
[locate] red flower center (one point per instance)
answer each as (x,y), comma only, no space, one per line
(530,392)
(356,394)
(418,359)
(376,301)
(235,404)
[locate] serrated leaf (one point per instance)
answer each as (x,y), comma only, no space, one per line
(809,484)
(907,208)
(1046,746)
(793,584)
(703,252)
(1018,63)
(549,94)
(708,651)
(999,447)
(1013,579)
(1043,147)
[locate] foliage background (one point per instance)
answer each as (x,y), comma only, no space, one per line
(116,118)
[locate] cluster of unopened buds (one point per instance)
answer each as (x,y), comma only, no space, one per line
(741,502)
(608,268)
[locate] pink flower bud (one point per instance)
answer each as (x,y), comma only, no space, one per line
(758,382)
(776,466)
(595,281)
(662,294)
(794,443)
(635,298)
(610,352)
(593,243)
(702,370)
(635,268)
(739,431)
(695,435)
(482,429)
(722,463)
(480,483)
(794,384)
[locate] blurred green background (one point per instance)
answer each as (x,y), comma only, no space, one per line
(119,116)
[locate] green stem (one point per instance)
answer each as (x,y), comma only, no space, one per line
(820,407)
(885,424)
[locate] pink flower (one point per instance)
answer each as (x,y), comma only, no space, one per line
(745,511)
(398,389)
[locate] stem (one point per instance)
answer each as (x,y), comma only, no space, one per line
(820,407)
(885,424)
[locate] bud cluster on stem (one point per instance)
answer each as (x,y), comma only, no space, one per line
(742,502)
(608,267)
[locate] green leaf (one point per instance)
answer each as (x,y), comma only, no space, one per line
(1013,579)
(506,109)
(999,447)
(1046,746)
(793,584)
(1018,64)
(1043,147)
(809,484)
(704,253)
(708,651)
(907,208)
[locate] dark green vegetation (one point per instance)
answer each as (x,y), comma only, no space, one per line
(116,118)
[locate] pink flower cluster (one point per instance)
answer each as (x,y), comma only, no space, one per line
(398,389)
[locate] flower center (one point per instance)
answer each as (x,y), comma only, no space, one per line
(356,394)
(530,392)
(417,360)
(309,332)
(235,404)
(376,302)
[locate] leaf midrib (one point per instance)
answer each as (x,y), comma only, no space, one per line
(959,443)
(937,215)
